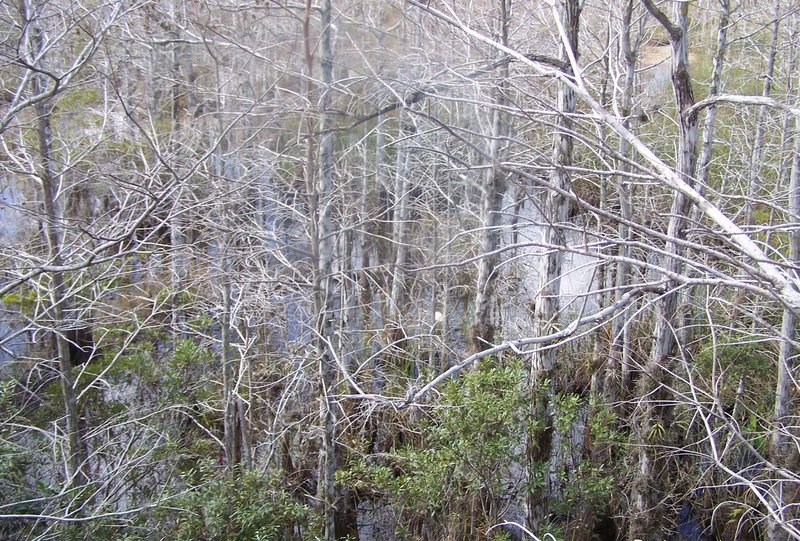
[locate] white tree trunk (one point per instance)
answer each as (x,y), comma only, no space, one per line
(483,329)
(555,210)
(645,514)
(620,363)
(320,191)
(784,436)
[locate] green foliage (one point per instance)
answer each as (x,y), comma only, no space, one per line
(588,482)
(365,477)
(592,484)
(472,440)
(656,433)
(753,362)
(602,426)
(125,147)
(12,456)
(16,484)
(138,361)
(567,407)
(78,99)
(538,472)
(488,402)
(189,363)
(188,354)
(6,393)
(242,506)
(25,299)
(476,434)
(215,505)
(756,434)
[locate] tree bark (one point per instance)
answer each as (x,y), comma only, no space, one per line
(689,297)
(709,126)
(177,226)
(619,357)
(322,244)
(650,418)
(230,421)
(48,177)
(555,210)
(782,446)
(756,158)
(400,217)
(483,330)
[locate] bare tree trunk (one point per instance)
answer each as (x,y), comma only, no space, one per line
(242,406)
(782,446)
(49,182)
(233,418)
(321,234)
(645,521)
(230,421)
(400,226)
(619,356)
(365,276)
(703,166)
(482,334)
(756,158)
(231,426)
(785,166)
(555,208)
(707,153)
(604,274)
(178,260)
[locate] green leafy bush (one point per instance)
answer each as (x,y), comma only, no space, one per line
(244,506)
(464,471)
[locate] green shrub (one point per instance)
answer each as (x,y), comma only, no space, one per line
(243,506)
(462,472)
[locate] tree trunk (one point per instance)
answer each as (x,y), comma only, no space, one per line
(756,158)
(619,357)
(400,217)
(177,226)
(322,243)
(369,309)
(650,418)
(704,164)
(482,334)
(231,437)
(693,307)
(783,452)
(48,180)
(546,314)
(230,421)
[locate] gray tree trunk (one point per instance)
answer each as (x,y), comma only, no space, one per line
(320,190)
(400,217)
(709,126)
(645,519)
(49,181)
(178,252)
(756,158)
(546,313)
(482,334)
(782,446)
(619,357)
(704,163)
